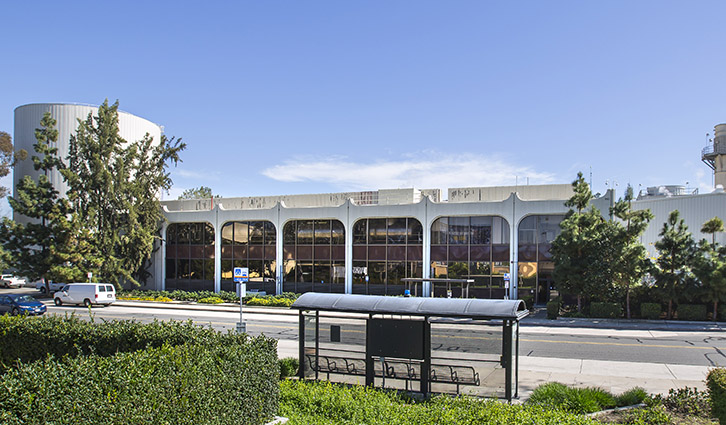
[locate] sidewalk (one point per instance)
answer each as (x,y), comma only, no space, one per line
(536,319)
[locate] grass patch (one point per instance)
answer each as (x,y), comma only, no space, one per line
(583,400)
(307,402)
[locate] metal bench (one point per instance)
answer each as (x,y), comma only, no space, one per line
(396,369)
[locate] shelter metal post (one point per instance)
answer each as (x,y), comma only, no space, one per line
(317,343)
(507,358)
(370,372)
(516,364)
(426,364)
(301,352)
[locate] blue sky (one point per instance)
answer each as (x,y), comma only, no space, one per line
(290,97)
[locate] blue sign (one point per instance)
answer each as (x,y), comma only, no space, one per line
(241,274)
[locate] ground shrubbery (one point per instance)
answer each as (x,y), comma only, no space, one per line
(208,297)
(582,400)
(70,371)
(605,310)
(692,312)
(306,402)
(651,311)
(716,382)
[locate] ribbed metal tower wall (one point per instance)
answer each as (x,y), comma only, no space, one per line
(719,150)
(27,119)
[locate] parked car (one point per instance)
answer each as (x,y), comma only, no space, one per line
(21,304)
(86,294)
(54,286)
(10,281)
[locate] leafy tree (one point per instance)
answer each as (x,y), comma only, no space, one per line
(582,251)
(201,192)
(8,158)
(52,245)
(631,261)
(676,249)
(114,184)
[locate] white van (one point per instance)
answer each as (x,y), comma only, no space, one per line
(86,294)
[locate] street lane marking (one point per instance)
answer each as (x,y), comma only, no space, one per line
(618,344)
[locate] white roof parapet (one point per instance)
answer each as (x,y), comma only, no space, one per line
(375,197)
(542,192)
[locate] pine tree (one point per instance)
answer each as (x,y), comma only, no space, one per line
(52,245)
(114,185)
(631,258)
(582,251)
(676,248)
(710,265)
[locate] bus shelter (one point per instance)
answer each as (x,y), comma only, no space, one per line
(426,345)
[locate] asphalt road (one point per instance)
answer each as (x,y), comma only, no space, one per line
(672,347)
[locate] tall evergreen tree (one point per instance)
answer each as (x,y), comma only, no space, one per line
(115,186)
(709,265)
(676,248)
(581,252)
(630,256)
(52,245)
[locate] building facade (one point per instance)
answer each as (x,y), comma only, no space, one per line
(367,242)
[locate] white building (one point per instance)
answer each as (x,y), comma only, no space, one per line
(367,242)
(67,115)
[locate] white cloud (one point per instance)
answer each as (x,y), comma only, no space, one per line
(196,175)
(423,170)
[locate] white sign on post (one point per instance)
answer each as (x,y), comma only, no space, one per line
(241,276)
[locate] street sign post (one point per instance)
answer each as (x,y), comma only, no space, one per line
(241,276)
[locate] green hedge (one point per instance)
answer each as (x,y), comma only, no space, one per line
(605,310)
(650,311)
(553,309)
(716,382)
(722,312)
(30,339)
(198,383)
(692,312)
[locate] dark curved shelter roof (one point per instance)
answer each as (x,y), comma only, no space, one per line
(413,306)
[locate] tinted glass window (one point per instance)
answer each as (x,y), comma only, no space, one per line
(109,288)
(101,288)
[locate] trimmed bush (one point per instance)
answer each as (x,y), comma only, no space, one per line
(722,312)
(716,382)
(29,339)
(288,367)
(650,311)
(692,312)
(605,310)
(553,309)
(199,383)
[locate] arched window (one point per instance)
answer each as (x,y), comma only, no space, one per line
(190,257)
(314,256)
